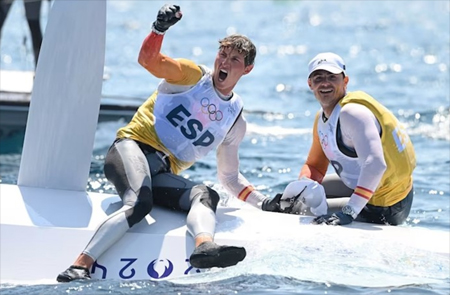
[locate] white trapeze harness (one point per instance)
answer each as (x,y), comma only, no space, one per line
(192,123)
(347,167)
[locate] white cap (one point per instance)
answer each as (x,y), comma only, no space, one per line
(327,61)
(317,201)
(302,194)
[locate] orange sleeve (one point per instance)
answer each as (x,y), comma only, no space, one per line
(180,72)
(316,164)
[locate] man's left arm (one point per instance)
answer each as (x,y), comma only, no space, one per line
(228,170)
(361,131)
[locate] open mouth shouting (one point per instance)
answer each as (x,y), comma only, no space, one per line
(222,75)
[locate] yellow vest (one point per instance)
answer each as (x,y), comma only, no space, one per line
(397,148)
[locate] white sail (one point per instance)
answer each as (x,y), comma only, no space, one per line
(65,101)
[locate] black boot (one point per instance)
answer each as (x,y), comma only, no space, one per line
(74,272)
(209,254)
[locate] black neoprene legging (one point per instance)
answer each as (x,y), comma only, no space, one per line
(338,195)
(142,176)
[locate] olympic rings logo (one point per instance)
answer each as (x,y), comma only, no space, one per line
(323,139)
(211,110)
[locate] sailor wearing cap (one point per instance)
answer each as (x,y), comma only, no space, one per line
(370,151)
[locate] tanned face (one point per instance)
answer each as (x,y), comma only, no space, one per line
(229,67)
(328,88)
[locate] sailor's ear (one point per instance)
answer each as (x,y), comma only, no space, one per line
(248,69)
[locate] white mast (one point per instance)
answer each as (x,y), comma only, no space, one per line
(65,101)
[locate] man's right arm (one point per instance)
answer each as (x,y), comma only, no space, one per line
(316,164)
(150,56)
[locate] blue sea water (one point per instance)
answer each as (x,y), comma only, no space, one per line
(397,51)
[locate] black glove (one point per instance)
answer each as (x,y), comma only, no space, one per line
(339,218)
(168,15)
(273,204)
(321,219)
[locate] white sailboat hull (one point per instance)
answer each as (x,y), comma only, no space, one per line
(43,231)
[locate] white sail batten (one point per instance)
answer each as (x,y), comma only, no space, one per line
(66,95)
